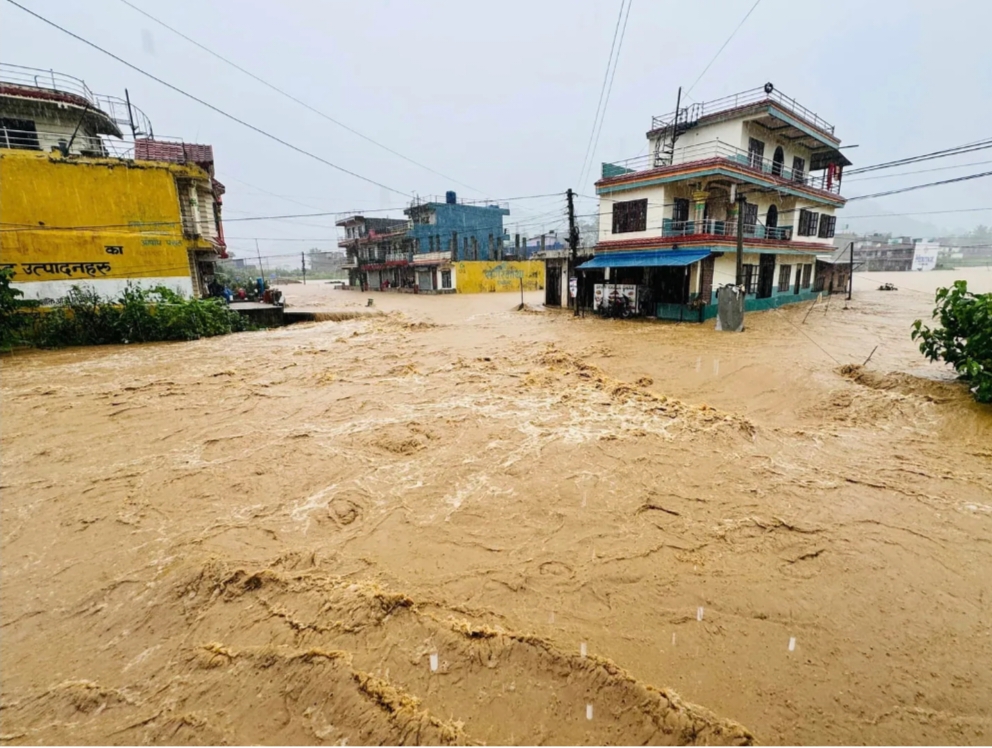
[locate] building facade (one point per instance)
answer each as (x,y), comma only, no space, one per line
(91,198)
(668,221)
(443,246)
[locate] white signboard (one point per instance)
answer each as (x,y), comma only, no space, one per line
(573,287)
(925,255)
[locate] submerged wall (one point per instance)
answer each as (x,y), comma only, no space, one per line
(92,222)
(495,277)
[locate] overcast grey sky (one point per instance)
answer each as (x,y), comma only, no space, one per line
(501,96)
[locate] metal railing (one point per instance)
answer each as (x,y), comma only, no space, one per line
(711,227)
(716,149)
(84,143)
(694,112)
(427,199)
(45,79)
(48,80)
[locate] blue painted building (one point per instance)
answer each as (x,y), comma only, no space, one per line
(463,231)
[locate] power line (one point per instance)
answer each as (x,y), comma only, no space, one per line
(977,145)
(919,213)
(918,171)
(719,51)
(602,91)
(921,186)
(609,90)
(293,98)
(198,100)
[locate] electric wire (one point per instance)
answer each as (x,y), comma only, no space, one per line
(602,91)
(289,96)
(207,104)
(606,101)
(724,46)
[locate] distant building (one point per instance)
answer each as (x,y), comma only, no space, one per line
(326,262)
(443,246)
(377,251)
(100,201)
(671,217)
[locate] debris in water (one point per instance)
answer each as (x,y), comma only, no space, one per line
(792,644)
(588,711)
(699,613)
(434,662)
(583,650)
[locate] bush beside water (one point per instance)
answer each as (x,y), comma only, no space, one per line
(139,315)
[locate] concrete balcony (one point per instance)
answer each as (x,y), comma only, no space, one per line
(715,153)
(710,227)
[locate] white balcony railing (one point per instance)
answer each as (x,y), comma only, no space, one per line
(744,98)
(715,149)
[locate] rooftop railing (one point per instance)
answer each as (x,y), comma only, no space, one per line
(745,98)
(48,80)
(83,144)
(715,149)
(426,199)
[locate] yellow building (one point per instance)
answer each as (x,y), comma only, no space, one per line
(80,205)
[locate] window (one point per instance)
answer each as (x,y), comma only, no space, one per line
(475,248)
(750,279)
(19,133)
(827,226)
(430,240)
(784,277)
(680,212)
(807,272)
(630,215)
(445,279)
(750,218)
(755,153)
(808,221)
(777,161)
(798,169)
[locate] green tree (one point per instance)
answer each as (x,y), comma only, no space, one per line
(964,337)
(11,305)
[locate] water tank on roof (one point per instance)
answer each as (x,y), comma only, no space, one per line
(450,198)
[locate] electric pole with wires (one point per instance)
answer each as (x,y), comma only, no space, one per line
(573,247)
(303,261)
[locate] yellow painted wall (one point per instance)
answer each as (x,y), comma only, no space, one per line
(39,190)
(482,277)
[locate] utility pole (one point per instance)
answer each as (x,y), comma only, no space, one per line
(573,246)
(850,281)
(303,261)
(261,270)
(741,202)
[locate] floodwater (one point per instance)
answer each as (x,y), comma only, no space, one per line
(458,522)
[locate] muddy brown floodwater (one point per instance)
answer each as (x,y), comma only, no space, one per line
(459,522)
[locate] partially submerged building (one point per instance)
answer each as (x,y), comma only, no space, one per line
(90,197)
(443,246)
(668,221)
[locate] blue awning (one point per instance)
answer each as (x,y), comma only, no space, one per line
(653,259)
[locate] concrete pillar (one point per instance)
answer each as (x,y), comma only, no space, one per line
(700,198)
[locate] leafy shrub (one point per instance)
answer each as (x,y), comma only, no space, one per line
(964,337)
(12,306)
(138,316)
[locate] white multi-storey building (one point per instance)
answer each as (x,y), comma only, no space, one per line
(669,220)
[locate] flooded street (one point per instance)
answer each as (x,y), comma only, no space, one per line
(452,521)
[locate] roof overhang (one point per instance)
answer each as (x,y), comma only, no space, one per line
(655,258)
(715,167)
